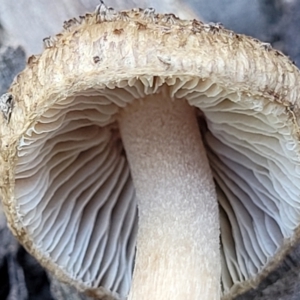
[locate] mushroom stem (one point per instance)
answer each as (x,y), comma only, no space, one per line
(178,239)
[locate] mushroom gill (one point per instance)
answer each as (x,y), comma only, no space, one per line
(71,199)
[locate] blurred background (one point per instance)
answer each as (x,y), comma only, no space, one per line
(23,25)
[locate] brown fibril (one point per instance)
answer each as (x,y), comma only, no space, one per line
(71,195)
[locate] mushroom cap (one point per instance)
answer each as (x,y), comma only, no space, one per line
(65,181)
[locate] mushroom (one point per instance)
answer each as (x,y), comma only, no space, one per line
(190,125)
(40,18)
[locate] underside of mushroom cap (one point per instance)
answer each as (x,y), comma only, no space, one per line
(65,177)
